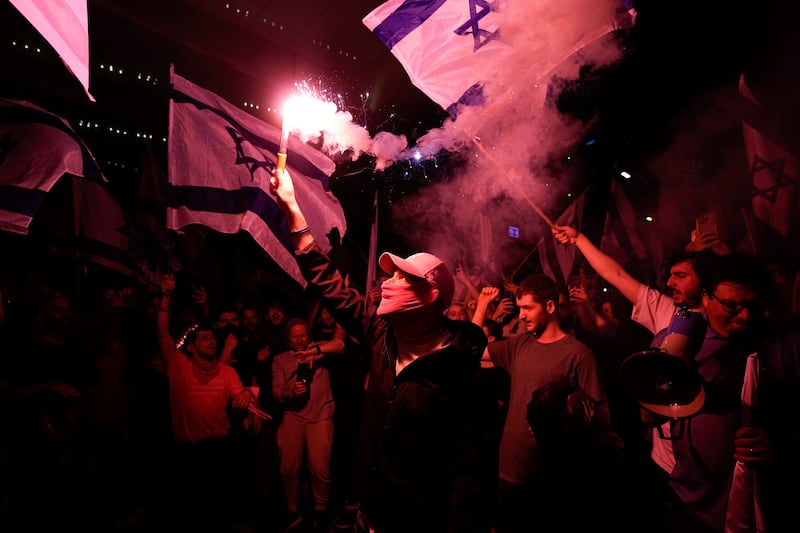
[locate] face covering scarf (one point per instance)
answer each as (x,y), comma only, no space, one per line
(416,316)
(397,298)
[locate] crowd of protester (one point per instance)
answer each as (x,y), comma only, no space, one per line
(444,402)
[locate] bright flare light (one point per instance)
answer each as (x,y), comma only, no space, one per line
(303,114)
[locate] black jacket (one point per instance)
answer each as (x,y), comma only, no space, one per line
(429,437)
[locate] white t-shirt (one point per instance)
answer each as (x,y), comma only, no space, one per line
(653,309)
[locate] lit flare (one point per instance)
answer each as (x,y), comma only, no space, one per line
(302,113)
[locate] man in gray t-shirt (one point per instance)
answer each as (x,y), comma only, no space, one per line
(542,354)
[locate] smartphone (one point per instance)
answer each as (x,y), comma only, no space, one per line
(304,373)
(706,223)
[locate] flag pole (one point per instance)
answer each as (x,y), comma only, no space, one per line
(77,206)
(514,182)
(748,224)
(514,273)
(373,246)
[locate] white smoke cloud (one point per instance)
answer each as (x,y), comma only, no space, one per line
(388,148)
(517,132)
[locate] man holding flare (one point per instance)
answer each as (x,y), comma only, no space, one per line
(428,444)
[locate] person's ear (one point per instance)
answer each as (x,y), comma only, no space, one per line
(435,294)
(550,307)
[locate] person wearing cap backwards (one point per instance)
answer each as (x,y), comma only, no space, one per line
(428,449)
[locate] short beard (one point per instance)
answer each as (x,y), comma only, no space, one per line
(692,300)
(209,358)
(536,331)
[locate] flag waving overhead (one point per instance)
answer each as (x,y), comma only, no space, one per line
(82,220)
(774,169)
(220,159)
(103,227)
(36,149)
(65,25)
(438,42)
(558,261)
(450,48)
(151,243)
(620,239)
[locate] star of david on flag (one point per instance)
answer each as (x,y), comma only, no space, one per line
(438,42)
(773,169)
(219,161)
(448,48)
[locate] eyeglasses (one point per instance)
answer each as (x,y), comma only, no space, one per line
(733,307)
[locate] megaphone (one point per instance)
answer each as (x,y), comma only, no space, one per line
(663,384)
(662,380)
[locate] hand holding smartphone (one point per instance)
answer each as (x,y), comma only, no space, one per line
(706,223)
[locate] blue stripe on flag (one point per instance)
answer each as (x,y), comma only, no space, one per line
(409,16)
(20,199)
(18,114)
(101,250)
(235,202)
(299,162)
(92,248)
(472,97)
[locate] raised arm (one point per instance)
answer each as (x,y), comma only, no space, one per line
(318,350)
(712,240)
(605,266)
(588,318)
(485,297)
(200,299)
(282,187)
(346,304)
(335,345)
(166,343)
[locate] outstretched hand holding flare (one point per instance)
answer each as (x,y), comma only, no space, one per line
(282,186)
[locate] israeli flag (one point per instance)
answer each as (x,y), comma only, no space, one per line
(220,159)
(439,42)
(37,147)
(65,26)
(447,46)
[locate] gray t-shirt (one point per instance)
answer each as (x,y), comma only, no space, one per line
(319,405)
(532,364)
